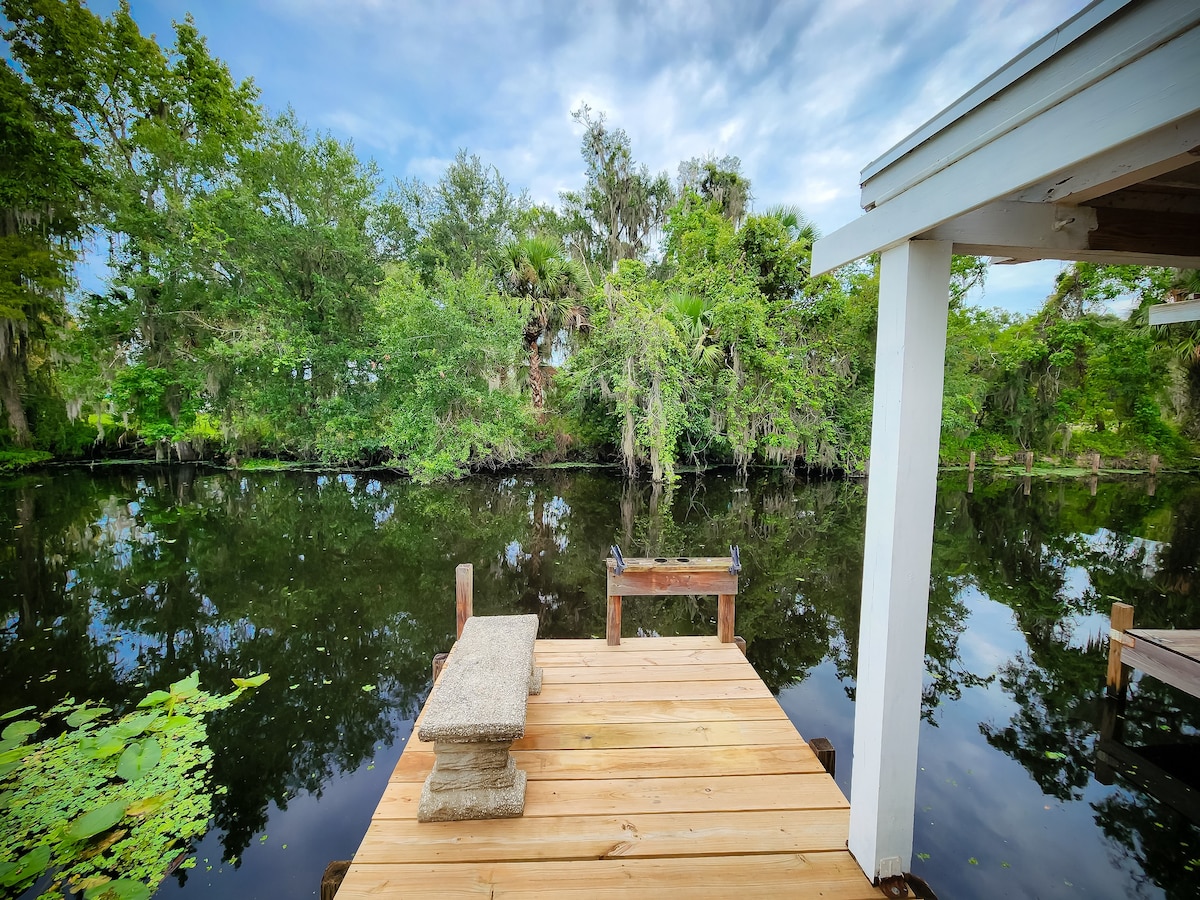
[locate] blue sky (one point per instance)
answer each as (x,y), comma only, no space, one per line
(805,93)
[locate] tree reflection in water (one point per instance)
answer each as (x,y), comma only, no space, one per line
(341,586)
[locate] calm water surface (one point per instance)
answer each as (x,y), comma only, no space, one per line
(115,582)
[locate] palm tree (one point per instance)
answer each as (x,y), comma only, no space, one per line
(540,274)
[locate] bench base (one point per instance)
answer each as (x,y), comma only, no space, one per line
(472,802)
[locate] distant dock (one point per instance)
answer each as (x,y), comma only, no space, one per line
(659,767)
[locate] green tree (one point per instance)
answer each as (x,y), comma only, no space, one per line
(545,281)
(458,222)
(162,128)
(621,206)
(296,320)
(41,199)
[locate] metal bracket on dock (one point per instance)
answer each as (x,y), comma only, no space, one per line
(616,554)
(737,559)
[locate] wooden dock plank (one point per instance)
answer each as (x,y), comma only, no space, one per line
(631,644)
(654,690)
(632,712)
(830,875)
(597,736)
(649,762)
(614,796)
(606,837)
(657,767)
(641,674)
(726,655)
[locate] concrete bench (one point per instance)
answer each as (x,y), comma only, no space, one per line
(475,711)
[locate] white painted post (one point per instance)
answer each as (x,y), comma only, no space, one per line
(909,358)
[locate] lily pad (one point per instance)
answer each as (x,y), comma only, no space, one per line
(20,729)
(28,867)
(86,714)
(252,682)
(98,820)
(13,713)
(138,759)
(121,889)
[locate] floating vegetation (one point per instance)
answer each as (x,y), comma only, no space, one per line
(108,806)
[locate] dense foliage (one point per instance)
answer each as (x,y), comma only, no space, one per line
(267,295)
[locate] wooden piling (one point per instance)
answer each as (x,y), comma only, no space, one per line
(971,463)
(826,755)
(613,629)
(1095,463)
(335,872)
(1027,485)
(741,643)
(1121,620)
(439,663)
(725,618)
(1029,462)
(1153,464)
(464,578)
(971,483)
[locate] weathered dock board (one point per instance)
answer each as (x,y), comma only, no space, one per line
(1170,655)
(658,767)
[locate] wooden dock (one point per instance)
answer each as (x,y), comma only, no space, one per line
(1170,655)
(661,767)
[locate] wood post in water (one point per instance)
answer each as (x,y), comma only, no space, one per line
(1118,675)
(439,663)
(1153,464)
(1027,484)
(1095,463)
(826,755)
(971,483)
(332,879)
(1028,463)
(971,463)
(464,578)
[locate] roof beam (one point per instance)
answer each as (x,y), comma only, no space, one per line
(1021,232)
(1145,231)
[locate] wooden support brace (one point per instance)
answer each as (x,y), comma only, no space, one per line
(725,618)
(464,577)
(1118,675)
(613,630)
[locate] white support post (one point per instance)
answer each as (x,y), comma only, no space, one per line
(909,358)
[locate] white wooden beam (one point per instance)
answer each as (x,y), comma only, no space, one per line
(1171,313)
(1154,92)
(909,358)
(1041,226)
(1002,255)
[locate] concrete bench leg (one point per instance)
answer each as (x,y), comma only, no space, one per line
(476,780)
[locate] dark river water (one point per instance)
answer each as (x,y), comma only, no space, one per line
(119,581)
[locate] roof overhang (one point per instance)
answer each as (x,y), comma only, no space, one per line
(1084,147)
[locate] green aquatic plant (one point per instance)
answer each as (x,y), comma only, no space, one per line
(107,805)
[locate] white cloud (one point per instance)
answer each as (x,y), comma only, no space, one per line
(806,93)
